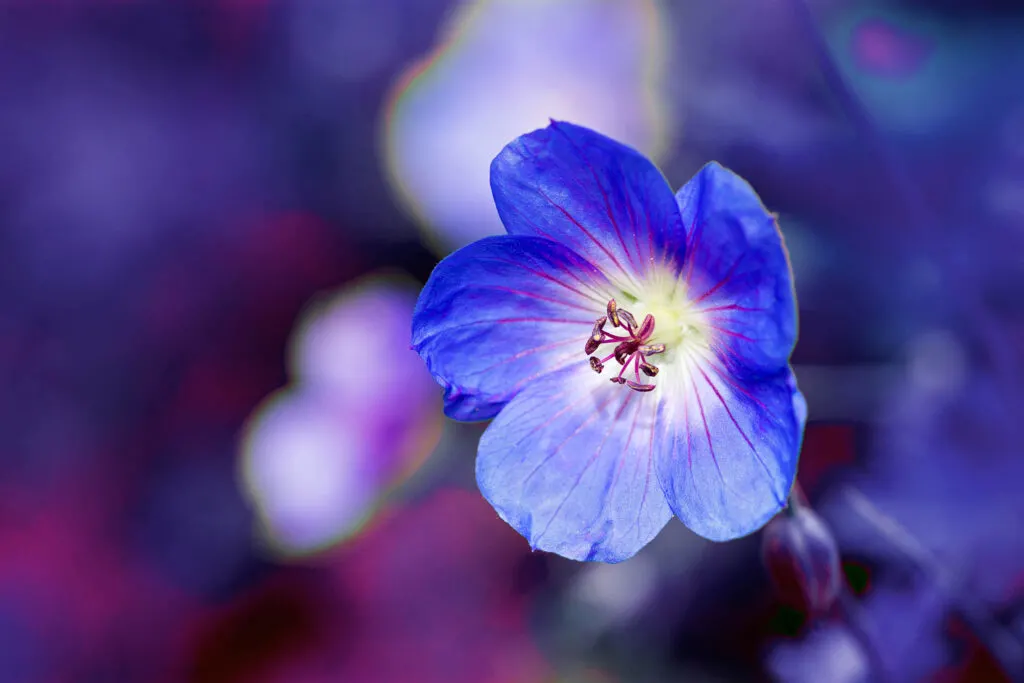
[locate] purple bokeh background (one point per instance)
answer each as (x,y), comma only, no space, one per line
(220,462)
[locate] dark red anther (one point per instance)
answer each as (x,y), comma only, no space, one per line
(613,313)
(651,349)
(636,386)
(647,328)
(596,336)
(648,369)
(596,364)
(627,319)
(619,380)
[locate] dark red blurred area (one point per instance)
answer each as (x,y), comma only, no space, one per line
(401,602)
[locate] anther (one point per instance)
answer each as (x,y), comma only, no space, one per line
(596,364)
(647,328)
(650,349)
(627,319)
(648,369)
(636,386)
(596,337)
(613,313)
(619,380)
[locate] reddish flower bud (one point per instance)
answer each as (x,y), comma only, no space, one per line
(802,559)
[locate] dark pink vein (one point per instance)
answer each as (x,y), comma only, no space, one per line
(604,193)
(579,478)
(731,307)
(696,229)
(721,283)
(475,323)
(689,451)
(636,228)
(586,232)
(502,321)
(546,423)
(533,295)
(725,375)
(568,271)
(727,350)
(736,424)
(590,418)
(650,458)
(559,365)
(727,319)
(622,457)
(524,320)
(526,352)
(733,334)
(536,228)
(586,295)
(650,239)
(707,430)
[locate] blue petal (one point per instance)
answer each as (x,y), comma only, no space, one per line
(502,312)
(728,449)
(738,272)
(569,463)
(600,198)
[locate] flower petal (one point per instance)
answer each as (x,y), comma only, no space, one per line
(737,271)
(727,453)
(599,197)
(569,463)
(502,312)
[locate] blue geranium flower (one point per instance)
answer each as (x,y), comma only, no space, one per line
(684,302)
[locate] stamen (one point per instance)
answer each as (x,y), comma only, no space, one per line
(596,336)
(629,350)
(628,320)
(647,328)
(613,313)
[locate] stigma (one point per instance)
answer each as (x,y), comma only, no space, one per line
(632,346)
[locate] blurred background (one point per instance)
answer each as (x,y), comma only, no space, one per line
(221,463)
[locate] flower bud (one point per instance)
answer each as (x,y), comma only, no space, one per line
(802,559)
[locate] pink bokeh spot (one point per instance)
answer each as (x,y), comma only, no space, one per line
(885,50)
